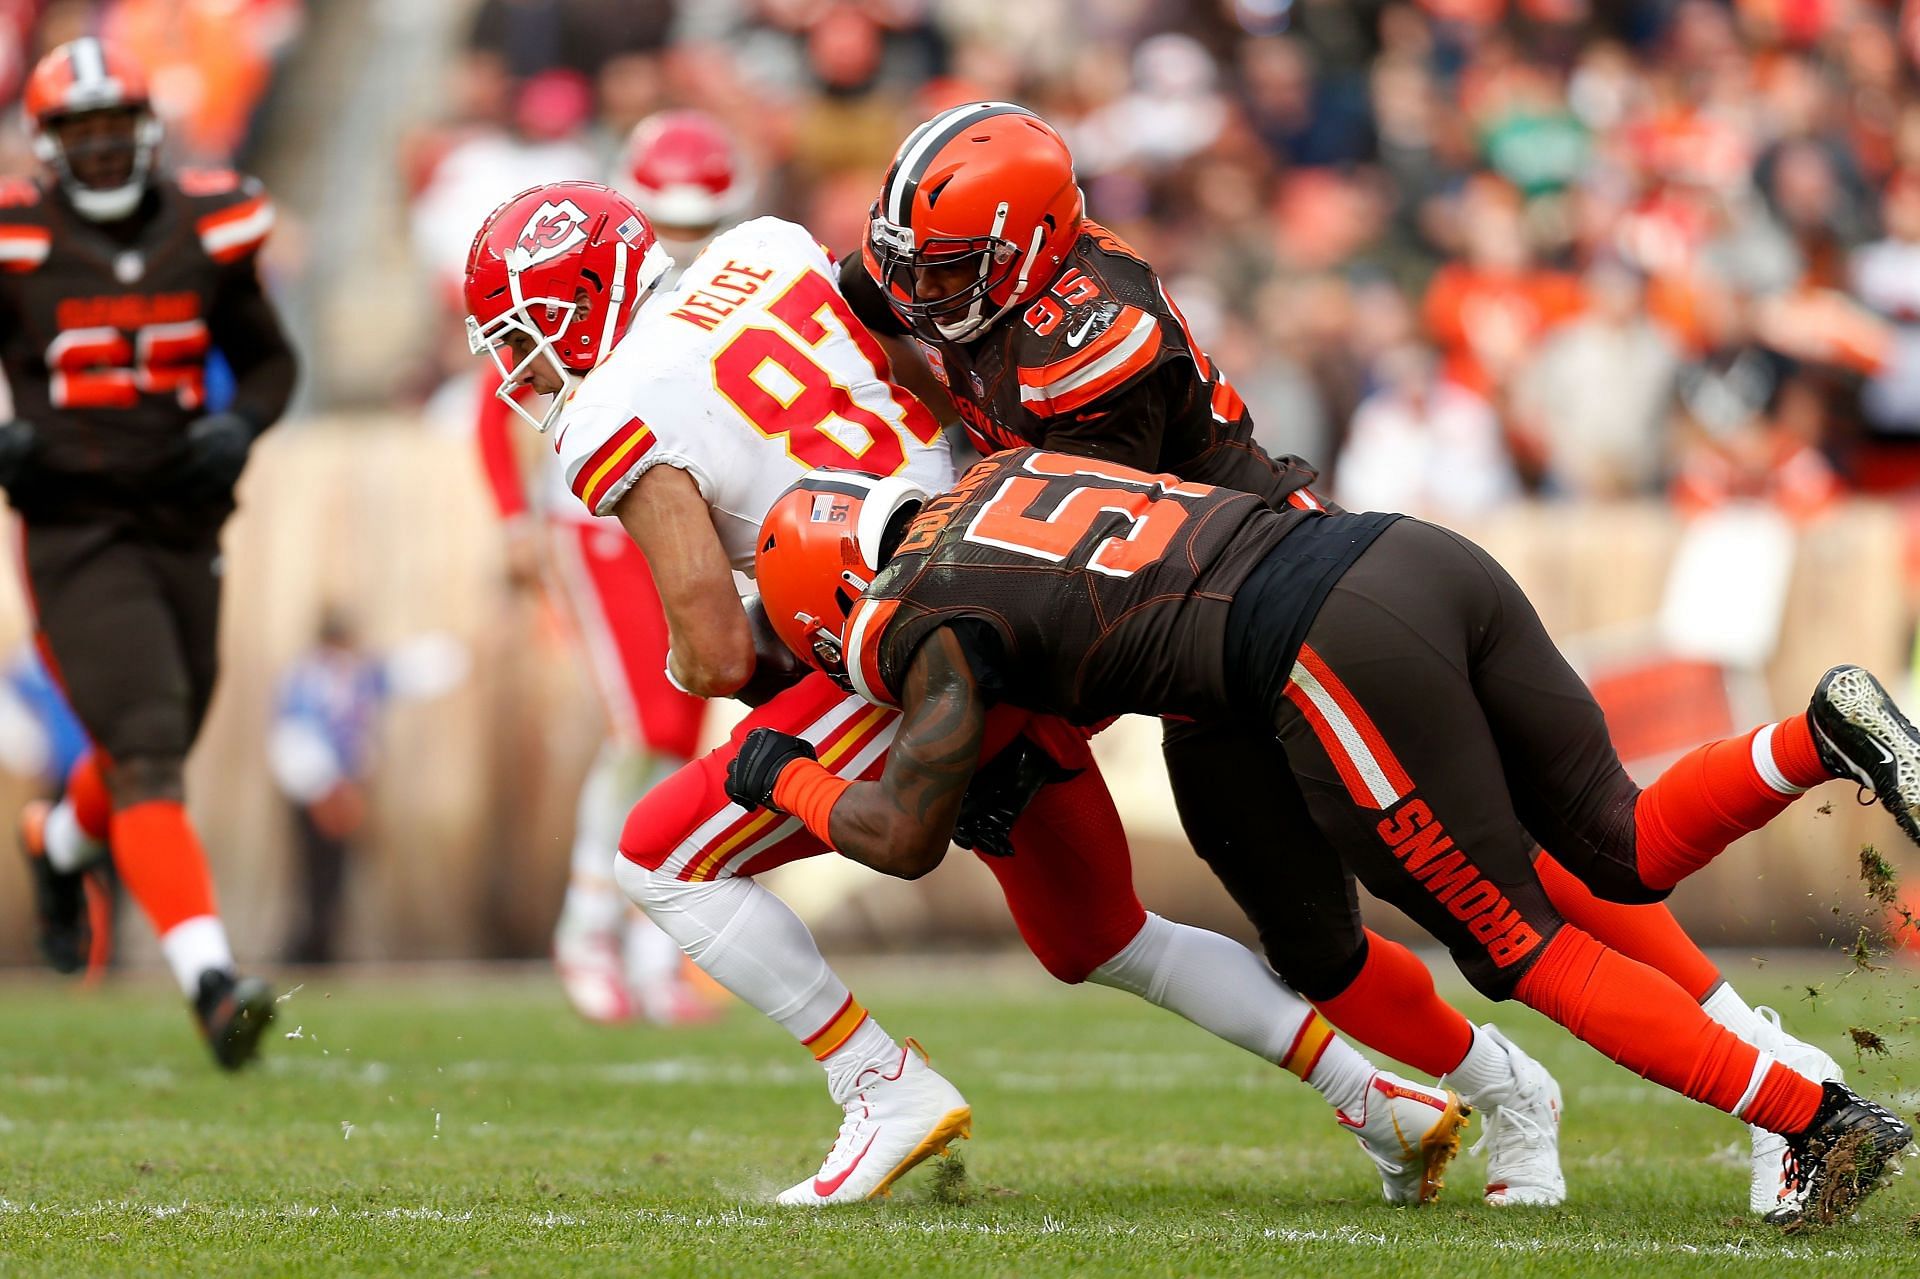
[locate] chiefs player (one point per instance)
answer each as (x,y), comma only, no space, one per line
(1419,704)
(684,415)
(685,173)
(1047,329)
(119,282)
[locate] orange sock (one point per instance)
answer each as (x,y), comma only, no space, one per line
(1716,793)
(1649,934)
(161,862)
(1641,1019)
(1391,1006)
(87,792)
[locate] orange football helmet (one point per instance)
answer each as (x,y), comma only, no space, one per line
(988,183)
(821,545)
(78,78)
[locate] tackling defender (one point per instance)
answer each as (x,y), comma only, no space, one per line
(1427,716)
(118,280)
(1046,329)
(685,415)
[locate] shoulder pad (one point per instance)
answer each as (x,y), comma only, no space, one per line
(25,240)
(202,183)
(1098,347)
(232,213)
(19,193)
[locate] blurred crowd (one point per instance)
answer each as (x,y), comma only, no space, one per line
(1457,251)
(210,63)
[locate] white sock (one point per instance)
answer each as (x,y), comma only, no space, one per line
(592,906)
(1343,1076)
(70,848)
(868,1046)
(1724,1005)
(750,942)
(652,962)
(1485,1075)
(195,946)
(1221,986)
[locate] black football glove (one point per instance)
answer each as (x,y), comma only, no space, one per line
(1000,792)
(18,442)
(751,775)
(775,667)
(217,446)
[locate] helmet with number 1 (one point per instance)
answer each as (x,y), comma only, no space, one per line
(558,271)
(821,544)
(988,186)
(94,127)
(684,172)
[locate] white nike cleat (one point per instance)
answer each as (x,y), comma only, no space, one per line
(1411,1132)
(593,975)
(1522,1133)
(895,1119)
(1772,1188)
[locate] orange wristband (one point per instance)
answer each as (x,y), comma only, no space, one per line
(808,791)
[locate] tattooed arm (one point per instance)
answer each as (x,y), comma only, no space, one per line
(901,824)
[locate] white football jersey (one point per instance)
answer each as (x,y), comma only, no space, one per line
(750,373)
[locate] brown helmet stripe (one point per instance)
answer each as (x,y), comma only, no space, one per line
(923,144)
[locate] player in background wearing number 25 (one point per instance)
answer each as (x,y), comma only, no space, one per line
(118,279)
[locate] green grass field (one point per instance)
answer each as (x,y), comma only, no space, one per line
(466,1124)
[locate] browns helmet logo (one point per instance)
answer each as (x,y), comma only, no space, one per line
(551,231)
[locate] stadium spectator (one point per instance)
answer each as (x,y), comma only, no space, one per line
(1423,444)
(321,752)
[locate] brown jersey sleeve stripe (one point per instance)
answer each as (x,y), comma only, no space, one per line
(23,248)
(1129,355)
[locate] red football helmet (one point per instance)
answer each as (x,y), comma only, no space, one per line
(567,266)
(685,173)
(79,78)
(989,183)
(820,546)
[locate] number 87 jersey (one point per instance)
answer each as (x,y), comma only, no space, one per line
(752,372)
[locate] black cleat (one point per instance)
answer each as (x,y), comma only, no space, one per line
(1862,735)
(1842,1157)
(59,898)
(233,1013)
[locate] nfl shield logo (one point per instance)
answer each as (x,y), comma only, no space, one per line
(979,387)
(936,362)
(129,266)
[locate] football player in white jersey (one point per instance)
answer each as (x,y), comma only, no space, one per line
(684,415)
(686,174)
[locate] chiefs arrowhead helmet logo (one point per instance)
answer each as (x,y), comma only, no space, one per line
(551,231)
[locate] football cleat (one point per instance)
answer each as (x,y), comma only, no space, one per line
(60,910)
(1522,1133)
(1411,1132)
(233,1013)
(896,1117)
(1771,1182)
(1842,1157)
(1861,734)
(593,974)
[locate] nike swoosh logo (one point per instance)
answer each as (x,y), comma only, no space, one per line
(1076,338)
(1886,756)
(826,1188)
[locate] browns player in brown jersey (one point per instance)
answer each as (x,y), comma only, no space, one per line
(1047,329)
(1418,702)
(118,282)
